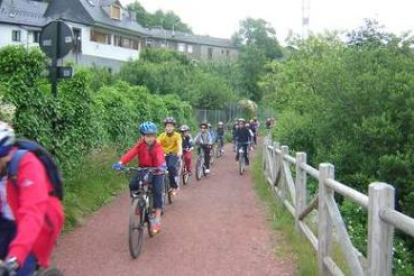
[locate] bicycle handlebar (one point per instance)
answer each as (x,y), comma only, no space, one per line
(126,169)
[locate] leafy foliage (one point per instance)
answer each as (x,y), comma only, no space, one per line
(168,20)
(87,119)
(167,72)
(352,104)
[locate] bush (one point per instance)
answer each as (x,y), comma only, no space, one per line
(83,127)
(352,104)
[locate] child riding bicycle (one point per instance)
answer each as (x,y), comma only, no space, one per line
(172,144)
(150,154)
(204,141)
(244,138)
(220,136)
(187,147)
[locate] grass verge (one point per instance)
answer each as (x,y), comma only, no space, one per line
(283,223)
(94,186)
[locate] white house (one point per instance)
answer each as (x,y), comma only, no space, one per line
(105,33)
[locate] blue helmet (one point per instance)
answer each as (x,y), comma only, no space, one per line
(148,128)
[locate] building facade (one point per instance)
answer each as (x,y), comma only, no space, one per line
(105,33)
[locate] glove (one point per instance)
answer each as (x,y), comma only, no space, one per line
(9,267)
(117,166)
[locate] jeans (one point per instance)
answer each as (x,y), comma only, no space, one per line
(187,160)
(244,146)
(157,182)
(7,234)
(220,141)
(172,161)
(207,157)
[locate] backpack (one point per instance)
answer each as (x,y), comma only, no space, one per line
(24,146)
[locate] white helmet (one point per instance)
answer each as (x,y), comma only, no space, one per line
(7,138)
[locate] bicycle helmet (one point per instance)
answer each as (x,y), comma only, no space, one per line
(170,120)
(7,139)
(220,123)
(148,128)
(241,120)
(204,124)
(184,128)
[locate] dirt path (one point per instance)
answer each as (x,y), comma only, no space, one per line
(215,227)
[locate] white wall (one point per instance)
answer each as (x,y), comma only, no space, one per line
(91,48)
(6,36)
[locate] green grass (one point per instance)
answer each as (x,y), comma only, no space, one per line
(93,186)
(291,245)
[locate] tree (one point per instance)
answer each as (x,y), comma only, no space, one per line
(252,62)
(168,20)
(259,33)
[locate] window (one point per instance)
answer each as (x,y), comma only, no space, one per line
(222,52)
(36,36)
(228,53)
(116,12)
(190,49)
(16,36)
(181,47)
(126,42)
(77,34)
(100,37)
(210,53)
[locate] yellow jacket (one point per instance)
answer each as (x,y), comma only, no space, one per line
(172,144)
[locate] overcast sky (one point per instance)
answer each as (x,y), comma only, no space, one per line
(221,17)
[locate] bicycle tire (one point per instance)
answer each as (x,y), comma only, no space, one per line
(49,272)
(241,165)
(136,229)
(186,178)
(199,169)
(219,153)
(168,190)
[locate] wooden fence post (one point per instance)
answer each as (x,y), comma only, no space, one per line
(283,188)
(275,158)
(300,186)
(380,233)
(325,226)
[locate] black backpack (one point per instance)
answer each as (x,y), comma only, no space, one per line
(24,146)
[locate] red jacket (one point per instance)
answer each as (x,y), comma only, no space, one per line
(38,216)
(148,156)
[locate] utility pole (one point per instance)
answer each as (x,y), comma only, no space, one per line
(305,18)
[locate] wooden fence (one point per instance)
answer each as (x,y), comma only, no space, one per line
(291,189)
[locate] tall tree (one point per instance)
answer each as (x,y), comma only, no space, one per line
(168,20)
(261,34)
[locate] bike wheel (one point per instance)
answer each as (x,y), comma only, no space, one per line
(241,165)
(212,156)
(136,229)
(186,178)
(218,152)
(49,272)
(199,169)
(168,190)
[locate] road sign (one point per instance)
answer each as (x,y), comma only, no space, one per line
(56,39)
(65,72)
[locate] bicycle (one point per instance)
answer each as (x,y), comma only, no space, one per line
(184,173)
(220,148)
(212,155)
(168,187)
(141,209)
(200,166)
(242,160)
(39,272)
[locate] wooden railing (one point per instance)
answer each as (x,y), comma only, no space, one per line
(329,225)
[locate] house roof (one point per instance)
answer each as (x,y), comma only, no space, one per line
(93,13)
(190,38)
(23,12)
(101,18)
